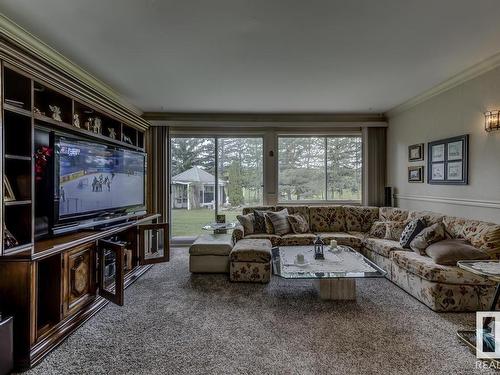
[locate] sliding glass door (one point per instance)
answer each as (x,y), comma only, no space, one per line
(192,184)
(240,170)
(213,175)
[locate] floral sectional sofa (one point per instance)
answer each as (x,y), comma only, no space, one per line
(442,288)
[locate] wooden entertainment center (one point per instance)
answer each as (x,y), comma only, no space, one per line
(53,284)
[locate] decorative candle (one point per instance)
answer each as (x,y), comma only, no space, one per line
(333,244)
(300,258)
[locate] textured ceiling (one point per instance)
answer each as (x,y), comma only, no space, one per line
(266,55)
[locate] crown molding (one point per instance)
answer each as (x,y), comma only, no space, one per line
(265,118)
(470,73)
(27,41)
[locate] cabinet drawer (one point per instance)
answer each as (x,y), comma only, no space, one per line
(79,278)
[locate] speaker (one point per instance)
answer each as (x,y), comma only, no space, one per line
(388,196)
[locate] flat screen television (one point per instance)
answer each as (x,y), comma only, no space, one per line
(93,179)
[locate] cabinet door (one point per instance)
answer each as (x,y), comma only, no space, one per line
(153,243)
(111,283)
(79,282)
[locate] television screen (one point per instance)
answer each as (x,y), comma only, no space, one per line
(94,177)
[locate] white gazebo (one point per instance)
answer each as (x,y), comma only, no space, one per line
(195,188)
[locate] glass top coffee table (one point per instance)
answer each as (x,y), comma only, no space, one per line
(334,277)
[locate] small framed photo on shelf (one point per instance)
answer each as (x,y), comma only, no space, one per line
(8,192)
(416,174)
(416,152)
(448,161)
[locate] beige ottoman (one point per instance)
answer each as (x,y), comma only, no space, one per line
(250,261)
(210,253)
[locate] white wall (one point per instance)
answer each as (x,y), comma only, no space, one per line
(457,111)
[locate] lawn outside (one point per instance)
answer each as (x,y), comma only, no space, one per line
(190,222)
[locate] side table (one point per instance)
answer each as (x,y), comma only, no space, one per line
(491,270)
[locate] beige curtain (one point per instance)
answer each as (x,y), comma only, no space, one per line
(158,176)
(374,174)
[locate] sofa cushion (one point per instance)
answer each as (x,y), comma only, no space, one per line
(211,244)
(279,221)
(297,239)
(251,250)
(274,238)
(381,246)
(298,224)
(360,219)
(327,218)
(428,236)
(424,267)
(411,230)
(394,230)
(352,239)
(261,224)
(377,229)
(449,252)
(483,235)
(392,214)
(247,222)
(296,210)
(250,210)
(428,216)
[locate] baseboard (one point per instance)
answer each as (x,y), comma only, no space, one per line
(447,200)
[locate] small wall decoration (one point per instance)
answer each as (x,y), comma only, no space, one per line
(416,174)
(8,192)
(448,161)
(416,152)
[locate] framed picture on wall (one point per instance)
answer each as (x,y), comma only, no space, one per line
(448,161)
(416,174)
(416,152)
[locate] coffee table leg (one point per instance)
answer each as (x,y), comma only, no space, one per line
(336,289)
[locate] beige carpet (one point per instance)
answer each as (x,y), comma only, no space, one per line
(175,323)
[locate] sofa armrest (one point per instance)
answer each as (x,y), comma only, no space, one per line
(238,233)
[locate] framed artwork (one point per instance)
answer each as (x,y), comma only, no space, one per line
(416,152)
(416,174)
(8,192)
(448,161)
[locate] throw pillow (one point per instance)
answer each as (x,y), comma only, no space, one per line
(413,228)
(377,229)
(279,221)
(298,223)
(260,221)
(247,221)
(426,237)
(394,229)
(449,252)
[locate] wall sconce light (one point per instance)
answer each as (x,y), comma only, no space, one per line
(492,121)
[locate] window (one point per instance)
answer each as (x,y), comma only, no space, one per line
(320,168)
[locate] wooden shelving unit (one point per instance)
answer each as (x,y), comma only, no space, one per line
(53,285)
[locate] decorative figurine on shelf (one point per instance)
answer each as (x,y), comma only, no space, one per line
(88,123)
(112,133)
(36,111)
(127,139)
(56,112)
(76,120)
(9,240)
(42,157)
(97,126)
(318,248)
